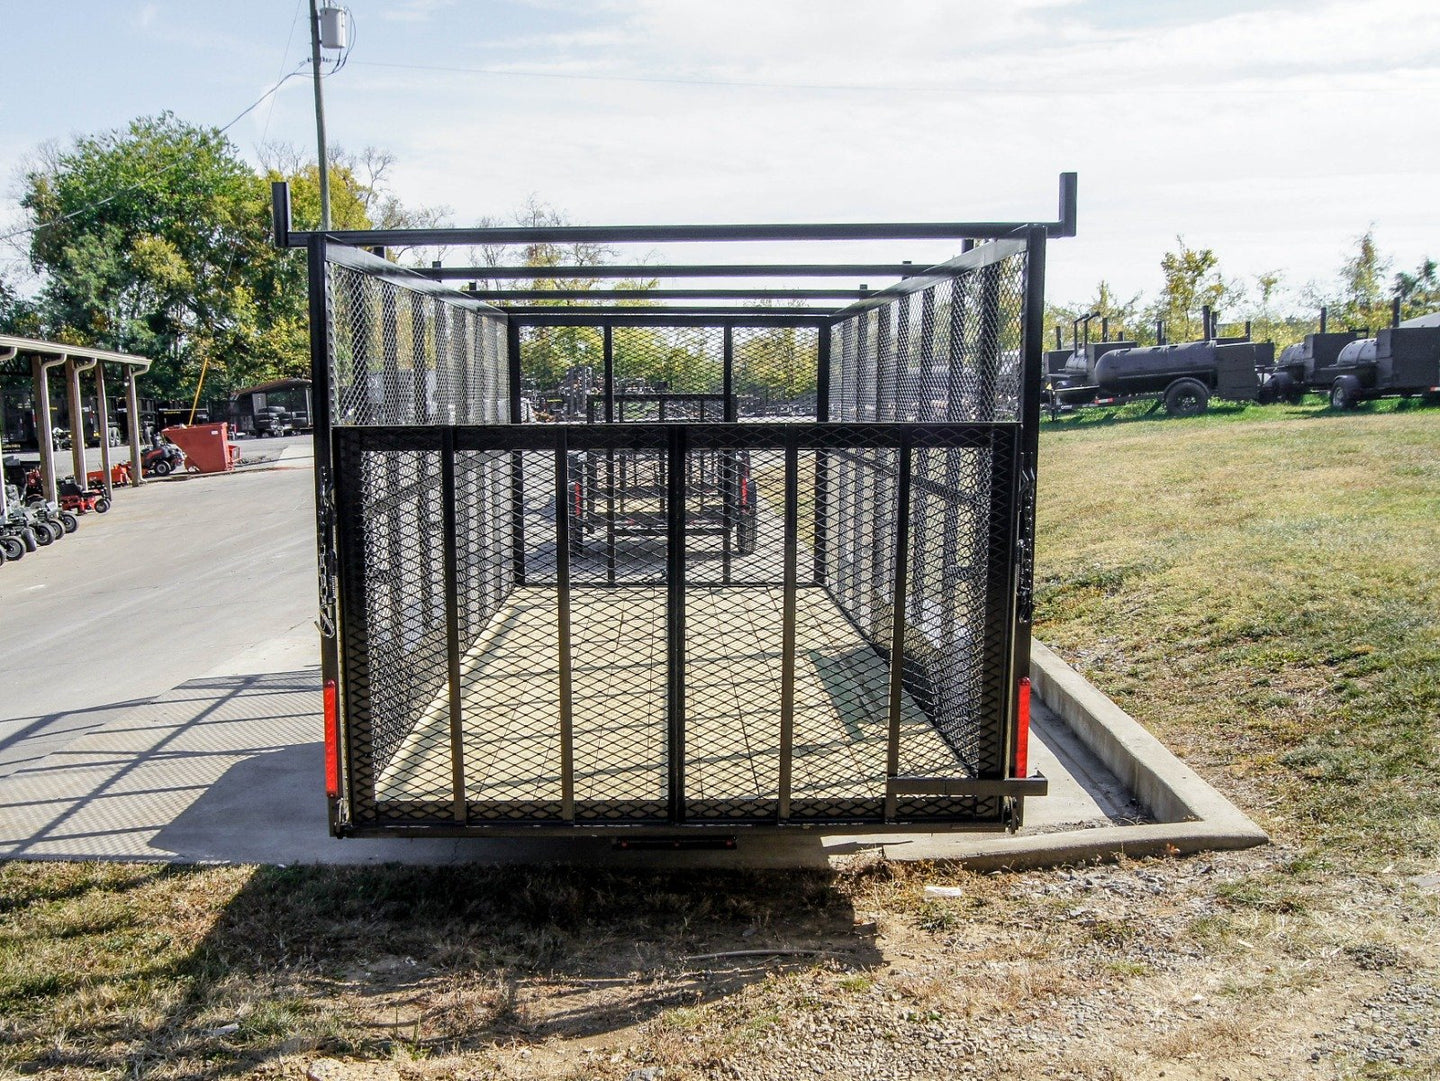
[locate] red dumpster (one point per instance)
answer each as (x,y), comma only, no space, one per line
(207,447)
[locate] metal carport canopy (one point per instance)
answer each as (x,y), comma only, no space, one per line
(45,355)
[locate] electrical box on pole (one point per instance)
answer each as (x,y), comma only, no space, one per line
(334,28)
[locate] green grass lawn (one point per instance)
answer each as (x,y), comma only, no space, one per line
(1261,588)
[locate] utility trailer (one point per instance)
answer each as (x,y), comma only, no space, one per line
(1182,377)
(1402,360)
(864,665)
(614,496)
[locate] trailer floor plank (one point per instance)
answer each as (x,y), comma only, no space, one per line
(511,714)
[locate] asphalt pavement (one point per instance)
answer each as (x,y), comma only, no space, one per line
(181,575)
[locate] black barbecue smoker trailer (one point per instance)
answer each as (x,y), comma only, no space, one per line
(862,662)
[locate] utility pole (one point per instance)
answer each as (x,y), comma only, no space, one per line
(320,118)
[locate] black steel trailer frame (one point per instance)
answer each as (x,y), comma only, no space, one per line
(889,594)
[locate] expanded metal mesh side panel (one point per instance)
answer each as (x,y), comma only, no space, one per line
(484,549)
(862,513)
(956,593)
(774,372)
(412,356)
(957,587)
(948,352)
(394,626)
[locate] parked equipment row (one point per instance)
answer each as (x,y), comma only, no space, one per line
(1348,367)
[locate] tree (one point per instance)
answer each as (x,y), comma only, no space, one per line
(1419,293)
(1121,316)
(1192,281)
(1362,302)
(1269,319)
(360,193)
(154,240)
(18,315)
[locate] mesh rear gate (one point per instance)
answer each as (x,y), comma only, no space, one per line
(620,568)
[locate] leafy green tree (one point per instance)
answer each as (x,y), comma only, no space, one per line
(772,365)
(1269,319)
(1192,280)
(1362,302)
(18,314)
(1419,292)
(154,240)
(360,193)
(1123,316)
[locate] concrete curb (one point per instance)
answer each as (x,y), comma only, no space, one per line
(1191,816)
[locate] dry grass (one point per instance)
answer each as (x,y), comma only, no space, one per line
(1259,590)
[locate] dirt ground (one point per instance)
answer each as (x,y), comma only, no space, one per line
(1240,966)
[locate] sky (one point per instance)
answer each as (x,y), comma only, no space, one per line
(1273,132)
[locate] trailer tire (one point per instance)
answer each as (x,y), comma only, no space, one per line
(1342,395)
(13,547)
(1186,398)
(69,522)
(747,533)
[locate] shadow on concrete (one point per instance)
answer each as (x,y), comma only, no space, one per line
(237,819)
(110,789)
(32,738)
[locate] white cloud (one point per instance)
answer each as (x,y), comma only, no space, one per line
(1272,134)
(412,11)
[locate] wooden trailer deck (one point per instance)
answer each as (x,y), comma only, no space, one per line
(511,721)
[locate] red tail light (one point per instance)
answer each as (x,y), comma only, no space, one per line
(1022,730)
(332,741)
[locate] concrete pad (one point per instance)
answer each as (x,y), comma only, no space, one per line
(298,452)
(176,578)
(228,767)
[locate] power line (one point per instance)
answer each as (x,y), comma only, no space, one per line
(162,172)
(968,90)
(284,56)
